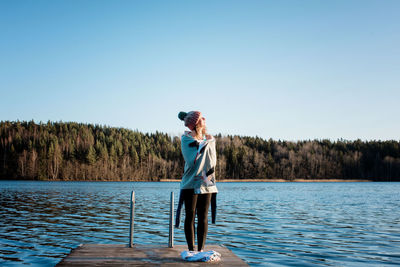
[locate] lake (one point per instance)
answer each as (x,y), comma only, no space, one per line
(265,224)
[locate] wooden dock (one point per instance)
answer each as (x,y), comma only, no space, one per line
(141,255)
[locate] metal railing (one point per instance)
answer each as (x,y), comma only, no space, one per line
(171,221)
(132,219)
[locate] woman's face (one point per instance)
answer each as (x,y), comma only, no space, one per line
(201,126)
(202,122)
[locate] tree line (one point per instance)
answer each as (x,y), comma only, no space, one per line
(78,151)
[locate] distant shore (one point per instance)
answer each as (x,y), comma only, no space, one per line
(218,181)
(73,151)
(279,180)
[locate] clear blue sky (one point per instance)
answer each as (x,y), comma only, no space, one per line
(288,70)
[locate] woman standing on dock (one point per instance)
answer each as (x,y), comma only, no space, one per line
(198,187)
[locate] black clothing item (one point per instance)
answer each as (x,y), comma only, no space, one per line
(196,204)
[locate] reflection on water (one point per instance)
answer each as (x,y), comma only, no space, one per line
(273,224)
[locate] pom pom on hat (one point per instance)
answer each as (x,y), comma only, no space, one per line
(191,118)
(182,115)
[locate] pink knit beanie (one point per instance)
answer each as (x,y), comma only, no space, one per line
(190,118)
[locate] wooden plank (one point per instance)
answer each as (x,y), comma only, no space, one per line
(141,255)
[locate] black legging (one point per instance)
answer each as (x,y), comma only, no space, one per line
(196,204)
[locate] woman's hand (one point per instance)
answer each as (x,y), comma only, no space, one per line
(209,136)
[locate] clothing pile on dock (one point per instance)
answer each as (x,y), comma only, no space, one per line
(206,256)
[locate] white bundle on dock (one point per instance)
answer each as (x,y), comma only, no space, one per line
(206,256)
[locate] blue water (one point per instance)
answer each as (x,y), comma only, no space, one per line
(265,224)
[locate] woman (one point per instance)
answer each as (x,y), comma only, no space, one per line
(198,181)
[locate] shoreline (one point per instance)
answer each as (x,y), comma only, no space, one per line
(219,181)
(280,180)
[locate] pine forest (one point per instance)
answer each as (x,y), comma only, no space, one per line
(78,151)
